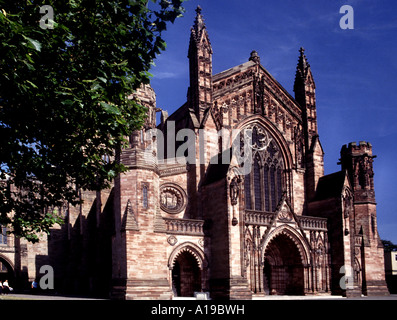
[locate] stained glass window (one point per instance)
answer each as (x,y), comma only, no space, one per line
(279,184)
(273,188)
(266,183)
(247,188)
(257,186)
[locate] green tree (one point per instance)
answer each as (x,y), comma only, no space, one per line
(64,110)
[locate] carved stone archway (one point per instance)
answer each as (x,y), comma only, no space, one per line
(188,270)
(283,267)
(7,271)
(285,261)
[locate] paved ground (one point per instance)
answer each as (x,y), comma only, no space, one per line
(16,296)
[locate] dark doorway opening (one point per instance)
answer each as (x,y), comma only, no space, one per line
(186,275)
(283,268)
(6,273)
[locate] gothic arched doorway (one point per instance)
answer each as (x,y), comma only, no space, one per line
(186,275)
(283,267)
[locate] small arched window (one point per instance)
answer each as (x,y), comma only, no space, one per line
(373,224)
(145,201)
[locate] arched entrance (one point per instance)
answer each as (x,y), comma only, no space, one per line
(6,271)
(283,268)
(186,275)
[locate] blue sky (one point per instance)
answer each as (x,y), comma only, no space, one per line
(355,70)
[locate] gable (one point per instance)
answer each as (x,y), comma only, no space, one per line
(254,77)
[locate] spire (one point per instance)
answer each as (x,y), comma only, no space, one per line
(198,30)
(303,66)
(305,95)
(200,67)
(303,79)
(198,26)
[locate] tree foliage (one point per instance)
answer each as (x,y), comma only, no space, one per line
(64,109)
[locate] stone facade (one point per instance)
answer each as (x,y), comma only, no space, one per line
(174,224)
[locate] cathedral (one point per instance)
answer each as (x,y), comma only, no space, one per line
(227,195)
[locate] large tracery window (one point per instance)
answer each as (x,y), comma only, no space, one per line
(264,185)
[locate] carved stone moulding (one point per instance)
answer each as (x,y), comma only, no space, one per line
(173,198)
(285,216)
(172,240)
